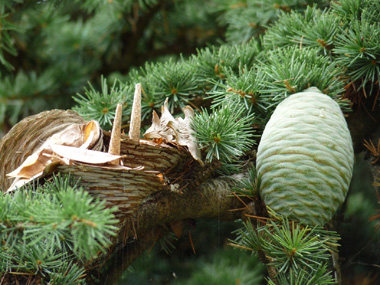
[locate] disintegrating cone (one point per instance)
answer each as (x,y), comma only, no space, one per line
(61,141)
(114,146)
(135,125)
(70,144)
(175,130)
(28,135)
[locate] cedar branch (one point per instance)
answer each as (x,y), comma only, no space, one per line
(212,200)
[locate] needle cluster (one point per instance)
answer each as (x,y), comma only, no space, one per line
(43,229)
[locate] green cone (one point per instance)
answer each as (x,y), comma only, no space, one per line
(305,158)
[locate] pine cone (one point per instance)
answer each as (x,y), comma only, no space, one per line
(305,158)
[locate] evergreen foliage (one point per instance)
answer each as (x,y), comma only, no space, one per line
(224,134)
(244,88)
(359,51)
(249,186)
(273,49)
(291,70)
(303,277)
(44,228)
(351,39)
(101,106)
(6,28)
(312,28)
(211,64)
(172,80)
(249,18)
(51,49)
(294,251)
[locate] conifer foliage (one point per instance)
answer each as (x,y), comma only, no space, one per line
(233,71)
(44,229)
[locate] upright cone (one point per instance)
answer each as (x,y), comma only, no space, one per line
(305,158)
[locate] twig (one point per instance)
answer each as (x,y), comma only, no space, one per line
(155,213)
(336,265)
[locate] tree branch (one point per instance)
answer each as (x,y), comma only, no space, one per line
(212,200)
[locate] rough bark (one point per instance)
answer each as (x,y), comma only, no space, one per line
(213,200)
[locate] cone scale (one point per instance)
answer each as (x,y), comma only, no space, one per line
(305,158)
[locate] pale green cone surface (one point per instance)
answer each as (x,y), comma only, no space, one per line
(305,158)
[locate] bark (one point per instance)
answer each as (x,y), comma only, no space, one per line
(157,184)
(152,221)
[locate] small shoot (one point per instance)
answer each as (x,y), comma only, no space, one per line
(289,247)
(375,151)
(249,186)
(224,134)
(101,105)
